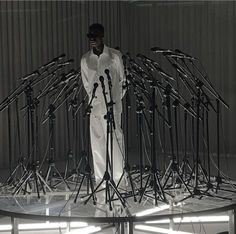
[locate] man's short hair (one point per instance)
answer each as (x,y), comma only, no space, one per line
(95,30)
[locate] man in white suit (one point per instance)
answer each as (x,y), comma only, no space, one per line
(93,66)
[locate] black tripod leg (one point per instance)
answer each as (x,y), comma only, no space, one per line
(185,185)
(155,190)
(36,184)
(42,184)
(132,186)
(77,194)
(58,172)
(21,183)
(144,189)
(48,175)
(168,176)
(112,183)
(94,192)
(92,189)
(108,195)
(191,174)
(157,182)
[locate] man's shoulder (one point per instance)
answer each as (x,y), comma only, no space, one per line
(114,52)
(85,55)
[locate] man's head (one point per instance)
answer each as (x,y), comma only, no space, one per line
(95,35)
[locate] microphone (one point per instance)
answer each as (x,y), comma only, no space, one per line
(109,78)
(65,78)
(160,71)
(107,72)
(179,70)
(46,65)
(143,57)
(53,62)
(66,62)
(160,50)
(95,85)
(165,52)
(185,55)
(71,75)
(30,75)
(101,78)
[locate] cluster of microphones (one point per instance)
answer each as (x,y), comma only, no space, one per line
(101,79)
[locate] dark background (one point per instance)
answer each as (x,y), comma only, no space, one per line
(34,32)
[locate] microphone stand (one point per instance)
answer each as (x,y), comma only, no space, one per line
(209,87)
(173,168)
(185,166)
(154,176)
(70,154)
(31,173)
(52,169)
(72,104)
(107,178)
(126,170)
(75,108)
(87,169)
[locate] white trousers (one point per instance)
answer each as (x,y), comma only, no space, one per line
(98,136)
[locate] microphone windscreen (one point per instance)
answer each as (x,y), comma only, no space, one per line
(101,78)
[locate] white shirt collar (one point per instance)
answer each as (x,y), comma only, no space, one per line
(105,51)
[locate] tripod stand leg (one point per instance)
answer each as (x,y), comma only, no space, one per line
(191,174)
(112,183)
(166,173)
(92,189)
(108,195)
(157,182)
(131,184)
(183,182)
(144,189)
(168,176)
(77,194)
(36,184)
(21,183)
(43,182)
(47,175)
(92,194)
(61,177)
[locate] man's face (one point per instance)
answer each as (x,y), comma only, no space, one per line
(95,41)
(95,38)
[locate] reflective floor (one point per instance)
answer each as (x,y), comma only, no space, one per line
(62,203)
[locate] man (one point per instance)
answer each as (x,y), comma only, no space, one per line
(93,66)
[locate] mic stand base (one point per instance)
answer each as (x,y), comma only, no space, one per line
(157,189)
(126,172)
(201,194)
(173,172)
(88,175)
(201,173)
(51,171)
(184,167)
(219,181)
(31,179)
(110,184)
(12,179)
